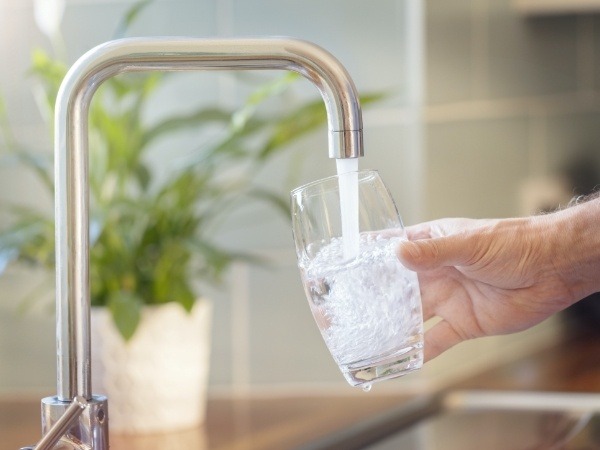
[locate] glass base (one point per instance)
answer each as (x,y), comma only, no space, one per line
(364,373)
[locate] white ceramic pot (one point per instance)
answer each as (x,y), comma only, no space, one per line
(158,380)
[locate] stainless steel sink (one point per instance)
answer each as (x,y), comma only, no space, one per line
(479,420)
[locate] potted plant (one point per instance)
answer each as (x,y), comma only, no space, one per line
(152,234)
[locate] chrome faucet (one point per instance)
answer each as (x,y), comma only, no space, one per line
(75,417)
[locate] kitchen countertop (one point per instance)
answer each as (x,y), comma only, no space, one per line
(253,423)
(245,423)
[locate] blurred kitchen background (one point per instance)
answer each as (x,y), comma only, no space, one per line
(492,111)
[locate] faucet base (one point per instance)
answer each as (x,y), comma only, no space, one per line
(91,430)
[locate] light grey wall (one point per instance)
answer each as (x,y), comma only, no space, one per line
(510,99)
(263,332)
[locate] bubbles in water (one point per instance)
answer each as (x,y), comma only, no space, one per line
(367,387)
(367,307)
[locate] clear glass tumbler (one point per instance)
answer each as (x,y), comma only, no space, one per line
(366,304)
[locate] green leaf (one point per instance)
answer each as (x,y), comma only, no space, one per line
(30,239)
(279,202)
(263,93)
(300,122)
(200,117)
(213,260)
(295,125)
(49,71)
(182,294)
(125,308)
(39,164)
(130,17)
(7,255)
(5,130)
(143,175)
(2,107)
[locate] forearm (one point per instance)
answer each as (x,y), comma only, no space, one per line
(577,247)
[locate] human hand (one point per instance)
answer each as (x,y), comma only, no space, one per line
(490,277)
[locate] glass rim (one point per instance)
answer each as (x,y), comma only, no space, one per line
(330,178)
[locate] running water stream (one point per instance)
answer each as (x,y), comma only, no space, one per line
(347,169)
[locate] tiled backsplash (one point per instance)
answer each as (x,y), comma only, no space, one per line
(508,98)
(505,99)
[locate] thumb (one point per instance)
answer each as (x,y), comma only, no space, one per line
(427,254)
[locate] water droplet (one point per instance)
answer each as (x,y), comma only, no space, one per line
(366,387)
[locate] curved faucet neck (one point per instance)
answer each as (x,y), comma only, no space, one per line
(71,152)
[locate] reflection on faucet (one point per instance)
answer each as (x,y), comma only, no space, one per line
(72,185)
(59,429)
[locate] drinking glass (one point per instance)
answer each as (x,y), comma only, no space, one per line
(365,302)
